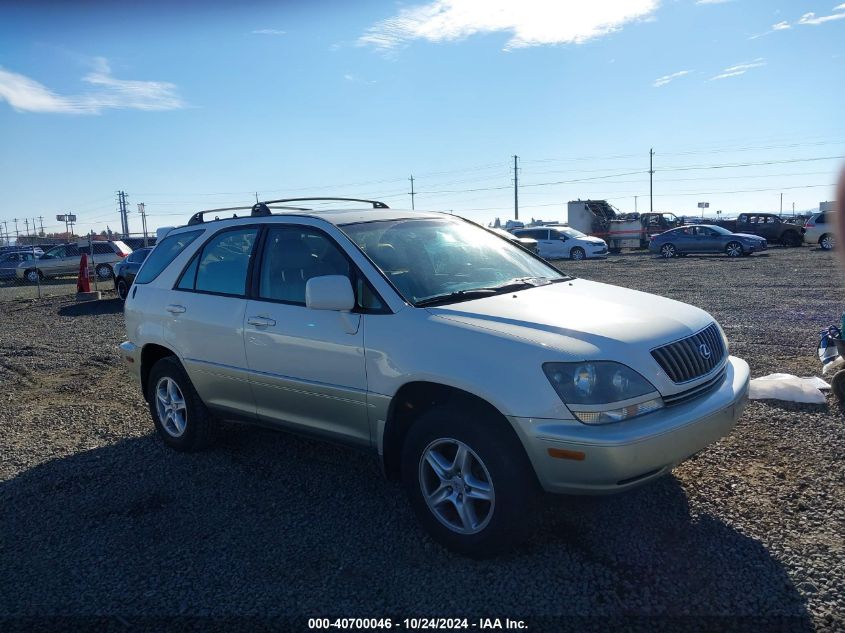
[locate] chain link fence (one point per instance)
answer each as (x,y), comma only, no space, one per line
(32,268)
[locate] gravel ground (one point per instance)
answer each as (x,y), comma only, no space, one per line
(98,518)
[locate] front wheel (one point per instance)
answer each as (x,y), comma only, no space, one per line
(468,480)
(182,420)
(668,251)
(827,242)
(122,288)
(33,276)
(733,249)
(104,271)
(577,254)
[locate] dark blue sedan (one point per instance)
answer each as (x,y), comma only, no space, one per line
(704,238)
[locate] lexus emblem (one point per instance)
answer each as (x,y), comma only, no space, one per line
(704,350)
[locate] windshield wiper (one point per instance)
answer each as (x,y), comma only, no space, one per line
(473,293)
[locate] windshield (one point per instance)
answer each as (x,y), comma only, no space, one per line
(568,232)
(447,259)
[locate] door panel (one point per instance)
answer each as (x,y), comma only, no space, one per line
(307,369)
(218,370)
(306,366)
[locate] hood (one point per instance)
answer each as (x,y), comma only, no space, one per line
(593,240)
(749,236)
(581,318)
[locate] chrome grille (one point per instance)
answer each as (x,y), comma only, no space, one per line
(686,359)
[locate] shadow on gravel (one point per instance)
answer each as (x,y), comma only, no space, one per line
(267,524)
(92,308)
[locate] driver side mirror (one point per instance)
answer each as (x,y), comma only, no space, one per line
(329,292)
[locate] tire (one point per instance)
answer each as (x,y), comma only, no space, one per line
(577,254)
(791,238)
(734,249)
(186,428)
(122,288)
(837,385)
(668,251)
(104,271)
(496,467)
(827,242)
(33,276)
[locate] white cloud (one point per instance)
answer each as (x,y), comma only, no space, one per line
(813,19)
(781,26)
(739,69)
(268,32)
(529,22)
(27,95)
(665,79)
(712,1)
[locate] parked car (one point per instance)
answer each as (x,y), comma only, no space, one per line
(126,269)
(819,230)
(563,242)
(64,260)
(525,242)
(768,225)
(9,262)
(703,238)
(478,373)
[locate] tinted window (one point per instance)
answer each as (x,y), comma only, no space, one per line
(292,256)
(821,219)
(189,277)
(102,249)
(163,254)
(224,262)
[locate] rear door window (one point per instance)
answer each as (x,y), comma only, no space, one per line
(163,254)
(223,265)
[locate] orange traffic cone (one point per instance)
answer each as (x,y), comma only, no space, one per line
(83,284)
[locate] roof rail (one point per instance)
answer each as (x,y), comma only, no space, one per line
(261,209)
(376,203)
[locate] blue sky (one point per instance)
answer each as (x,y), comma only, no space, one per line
(199,106)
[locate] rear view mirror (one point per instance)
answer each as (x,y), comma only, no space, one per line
(329,292)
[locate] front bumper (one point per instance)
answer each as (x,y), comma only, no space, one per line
(615,457)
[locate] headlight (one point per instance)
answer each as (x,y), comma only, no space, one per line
(602,391)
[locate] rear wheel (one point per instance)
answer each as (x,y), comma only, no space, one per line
(182,420)
(104,271)
(468,480)
(668,251)
(791,238)
(33,276)
(827,242)
(577,254)
(733,249)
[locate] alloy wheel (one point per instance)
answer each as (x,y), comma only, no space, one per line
(734,249)
(577,254)
(456,486)
(32,276)
(667,251)
(828,242)
(170,406)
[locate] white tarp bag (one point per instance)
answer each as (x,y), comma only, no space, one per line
(788,387)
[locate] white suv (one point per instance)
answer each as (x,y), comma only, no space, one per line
(477,372)
(819,230)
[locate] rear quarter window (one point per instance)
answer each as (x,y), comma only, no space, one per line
(164,253)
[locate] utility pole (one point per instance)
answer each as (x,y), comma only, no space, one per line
(781,205)
(124,217)
(16,230)
(142,211)
(412,191)
(651,180)
(41,221)
(635,203)
(26,224)
(515,187)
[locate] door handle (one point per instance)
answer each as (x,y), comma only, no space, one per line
(259,321)
(175,309)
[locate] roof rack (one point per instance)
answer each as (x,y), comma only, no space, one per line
(261,209)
